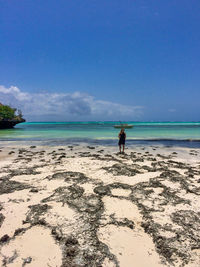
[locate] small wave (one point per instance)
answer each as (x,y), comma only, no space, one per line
(190,143)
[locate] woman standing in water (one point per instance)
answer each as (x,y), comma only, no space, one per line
(122,139)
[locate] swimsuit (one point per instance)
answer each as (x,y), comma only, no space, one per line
(122,139)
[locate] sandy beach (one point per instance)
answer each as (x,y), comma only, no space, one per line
(83,205)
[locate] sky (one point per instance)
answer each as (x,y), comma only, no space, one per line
(75,60)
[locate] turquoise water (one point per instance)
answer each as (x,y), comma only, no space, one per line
(102,131)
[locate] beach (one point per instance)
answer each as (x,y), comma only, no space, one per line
(88,205)
(79,82)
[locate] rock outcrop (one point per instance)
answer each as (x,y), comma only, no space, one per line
(9,117)
(10,124)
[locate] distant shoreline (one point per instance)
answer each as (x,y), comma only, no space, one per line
(110,122)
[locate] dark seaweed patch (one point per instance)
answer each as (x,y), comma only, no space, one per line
(35,213)
(8,186)
(75,177)
(102,190)
(122,169)
(2,217)
(89,210)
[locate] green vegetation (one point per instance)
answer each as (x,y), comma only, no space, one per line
(7,113)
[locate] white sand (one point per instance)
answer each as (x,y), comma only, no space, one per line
(130,246)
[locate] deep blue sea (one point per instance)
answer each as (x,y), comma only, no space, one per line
(99,132)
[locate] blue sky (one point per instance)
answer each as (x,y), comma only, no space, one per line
(101,60)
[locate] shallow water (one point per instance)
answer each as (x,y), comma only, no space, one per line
(104,132)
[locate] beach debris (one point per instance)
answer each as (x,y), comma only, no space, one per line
(34,190)
(11,152)
(27,261)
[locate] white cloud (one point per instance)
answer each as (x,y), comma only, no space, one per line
(65,106)
(14,91)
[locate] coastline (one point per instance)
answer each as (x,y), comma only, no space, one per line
(92,205)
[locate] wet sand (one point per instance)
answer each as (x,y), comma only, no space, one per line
(83,205)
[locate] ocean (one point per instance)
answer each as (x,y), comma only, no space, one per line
(99,132)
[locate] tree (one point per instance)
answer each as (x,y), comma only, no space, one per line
(7,113)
